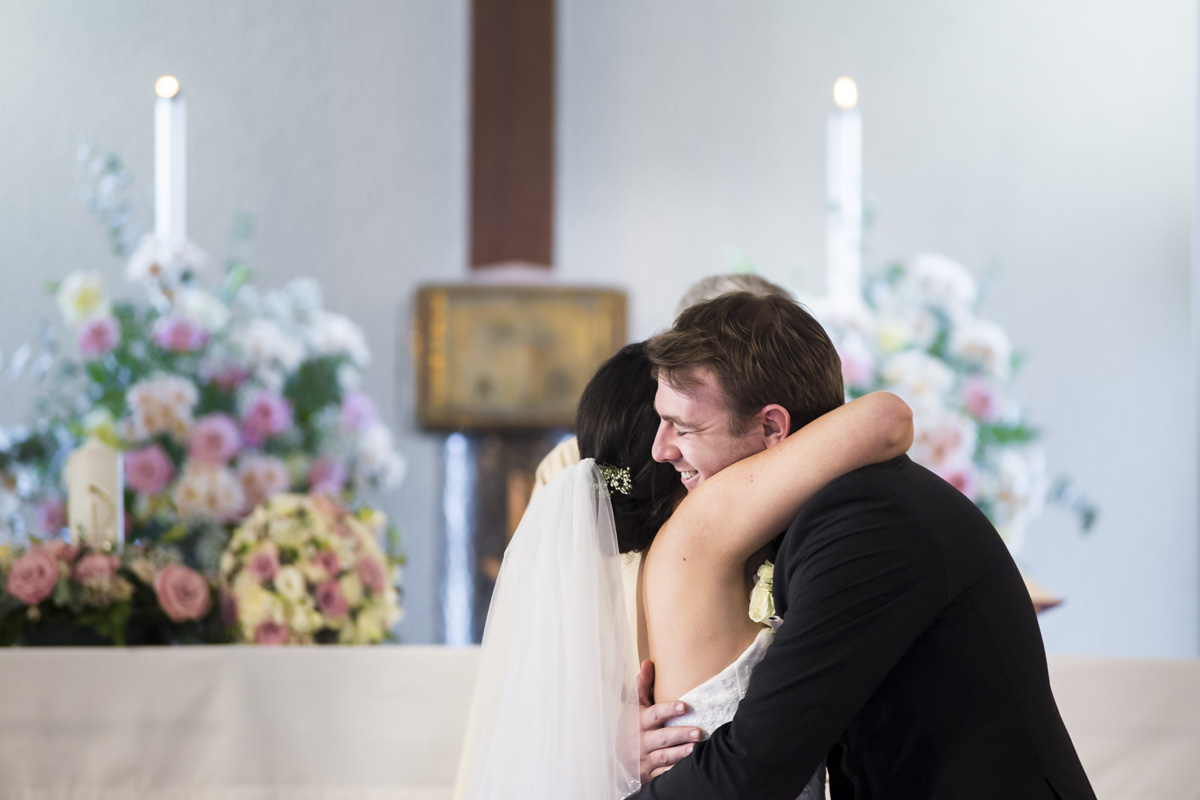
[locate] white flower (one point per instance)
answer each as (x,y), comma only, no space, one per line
(255,604)
(942,439)
(943,281)
(352,588)
(267,345)
(81,295)
(369,626)
(305,296)
(301,620)
(290,583)
(762,599)
(202,308)
(378,459)
(206,492)
(262,477)
(162,403)
(157,260)
(983,343)
(334,334)
(921,380)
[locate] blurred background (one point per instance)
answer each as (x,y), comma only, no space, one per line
(1048,147)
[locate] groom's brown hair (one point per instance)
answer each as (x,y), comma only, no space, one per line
(761,349)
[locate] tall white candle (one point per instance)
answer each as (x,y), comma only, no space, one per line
(844,195)
(170,162)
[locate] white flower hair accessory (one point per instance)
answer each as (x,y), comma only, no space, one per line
(616,478)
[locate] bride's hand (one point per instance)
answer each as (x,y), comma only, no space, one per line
(661,747)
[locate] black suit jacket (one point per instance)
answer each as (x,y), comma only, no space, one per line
(909,655)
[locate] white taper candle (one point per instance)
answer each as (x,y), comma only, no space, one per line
(844,195)
(170,162)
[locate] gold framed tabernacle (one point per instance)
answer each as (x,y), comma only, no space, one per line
(496,357)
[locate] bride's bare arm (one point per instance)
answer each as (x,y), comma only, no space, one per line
(741,508)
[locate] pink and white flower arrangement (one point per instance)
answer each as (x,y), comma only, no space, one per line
(304,569)
(918,334)
(220,396)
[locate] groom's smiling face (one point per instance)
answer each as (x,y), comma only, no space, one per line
(695,432)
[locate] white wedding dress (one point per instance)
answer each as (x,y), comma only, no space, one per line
(555,711)
(714,702)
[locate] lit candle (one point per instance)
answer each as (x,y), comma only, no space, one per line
(844,195)
(170,162)
(95,496)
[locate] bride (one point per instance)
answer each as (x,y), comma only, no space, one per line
(556,711)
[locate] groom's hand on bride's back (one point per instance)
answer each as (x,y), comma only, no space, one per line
(662,747)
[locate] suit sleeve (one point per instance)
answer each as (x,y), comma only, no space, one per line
(861,584)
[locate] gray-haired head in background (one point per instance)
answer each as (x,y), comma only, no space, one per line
(717,285)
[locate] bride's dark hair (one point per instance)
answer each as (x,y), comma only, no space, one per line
(615,424)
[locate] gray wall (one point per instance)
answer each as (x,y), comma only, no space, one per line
(1052,141)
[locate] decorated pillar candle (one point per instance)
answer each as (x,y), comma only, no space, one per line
(95,495)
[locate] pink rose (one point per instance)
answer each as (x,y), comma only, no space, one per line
(60,550)
(358,411)
(326,476)
(271,633)
(33,576)
(981,400)
(328,561)
(214,440)
(227,376)
(267,415)
(98,336)
(372,574)
(182,592)
(178,334)
(331,600)
(263,563)
(148,470)
(52,516)
(962,477)
(96,565)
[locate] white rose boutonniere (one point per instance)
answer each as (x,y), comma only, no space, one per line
(762,598)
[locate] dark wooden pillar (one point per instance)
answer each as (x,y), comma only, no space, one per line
(512,132)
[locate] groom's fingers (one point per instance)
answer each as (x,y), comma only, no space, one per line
(662,747)
(660,761)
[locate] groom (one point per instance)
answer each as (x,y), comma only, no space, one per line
(909,655)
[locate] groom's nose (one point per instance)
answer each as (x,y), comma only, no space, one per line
(664,450)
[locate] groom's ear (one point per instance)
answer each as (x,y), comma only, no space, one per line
(776,424)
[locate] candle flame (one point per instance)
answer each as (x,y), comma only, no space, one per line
(166,86)
(845,93)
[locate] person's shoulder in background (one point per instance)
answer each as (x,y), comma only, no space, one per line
(562,456)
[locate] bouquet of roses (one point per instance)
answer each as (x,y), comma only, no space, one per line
(60,593)
(305,569)
(919,335)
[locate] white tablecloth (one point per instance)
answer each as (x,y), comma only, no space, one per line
(243,723)
(385,723)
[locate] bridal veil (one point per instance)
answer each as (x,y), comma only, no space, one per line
(555,701)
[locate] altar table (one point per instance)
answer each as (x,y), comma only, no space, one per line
(386,723)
